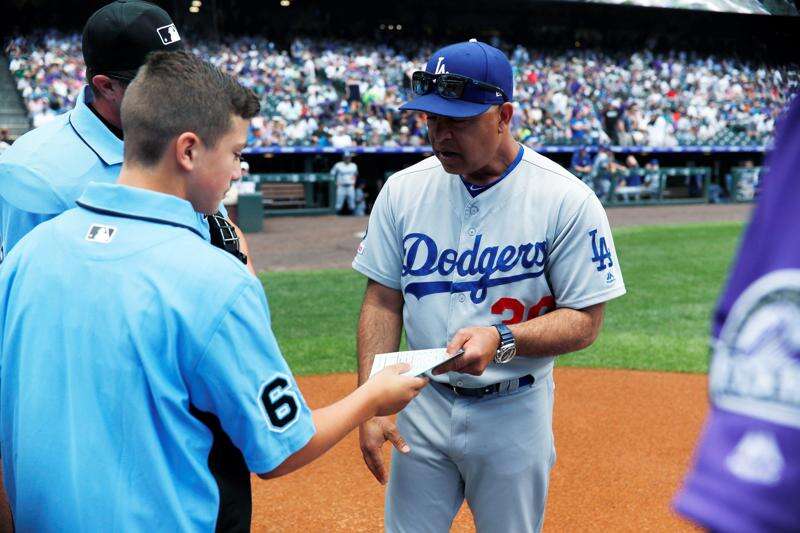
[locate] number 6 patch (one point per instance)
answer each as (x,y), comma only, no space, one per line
(279,403)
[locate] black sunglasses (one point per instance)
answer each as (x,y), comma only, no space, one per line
(448,85)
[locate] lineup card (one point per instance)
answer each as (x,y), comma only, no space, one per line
(420,360)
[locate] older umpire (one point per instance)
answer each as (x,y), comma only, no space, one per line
(47,169)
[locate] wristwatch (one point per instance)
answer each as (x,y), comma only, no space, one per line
(508,345)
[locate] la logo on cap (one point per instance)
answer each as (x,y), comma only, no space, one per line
(440,68)
(168,34)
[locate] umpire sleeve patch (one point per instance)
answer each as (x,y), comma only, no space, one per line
(279,403)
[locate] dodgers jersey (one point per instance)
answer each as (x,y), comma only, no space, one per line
(746,475)
(537,240)
(140,382)
(345,173)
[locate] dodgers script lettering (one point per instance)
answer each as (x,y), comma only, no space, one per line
(422,259)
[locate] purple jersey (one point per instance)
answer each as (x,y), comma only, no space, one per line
(746,475)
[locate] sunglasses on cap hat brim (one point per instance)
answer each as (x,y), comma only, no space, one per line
(449,85)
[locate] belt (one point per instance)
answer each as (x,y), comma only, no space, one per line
(480,392)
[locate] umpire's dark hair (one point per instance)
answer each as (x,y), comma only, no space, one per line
(174,93)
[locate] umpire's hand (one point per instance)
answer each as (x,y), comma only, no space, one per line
(480,346)
(371,435)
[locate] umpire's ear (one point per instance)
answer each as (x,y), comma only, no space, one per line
(186,150)
(108,89)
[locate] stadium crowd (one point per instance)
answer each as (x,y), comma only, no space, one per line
(340,94)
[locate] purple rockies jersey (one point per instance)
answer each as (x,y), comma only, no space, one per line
(746,475)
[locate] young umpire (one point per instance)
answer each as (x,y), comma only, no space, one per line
(131,347)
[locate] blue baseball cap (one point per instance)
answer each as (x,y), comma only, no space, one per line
(472,59)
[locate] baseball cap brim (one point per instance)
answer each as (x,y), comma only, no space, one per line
(126,75)
(437,105)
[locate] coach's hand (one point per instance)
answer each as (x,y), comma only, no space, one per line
(371,436)
(480,346)
(392,392)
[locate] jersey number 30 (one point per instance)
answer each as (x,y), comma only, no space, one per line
(280,403)
(517,309)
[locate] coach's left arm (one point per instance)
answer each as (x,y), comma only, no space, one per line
(561,331)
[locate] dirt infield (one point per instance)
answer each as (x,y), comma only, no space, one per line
(307,243)
(623,438)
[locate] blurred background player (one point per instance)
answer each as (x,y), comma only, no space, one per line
(346,174)
(746,474)
(149,414)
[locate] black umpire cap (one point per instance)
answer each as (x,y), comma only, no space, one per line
(118,37)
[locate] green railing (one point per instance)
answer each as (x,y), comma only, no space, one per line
(672,185)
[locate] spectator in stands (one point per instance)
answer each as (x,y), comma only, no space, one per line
(5,140)
(631,182)
(579,96)
(652,178)
(361,198)
(581,165)
(345,172)
(603,168)
(748,181)
(694,185)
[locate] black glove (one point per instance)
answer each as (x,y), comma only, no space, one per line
(223,235)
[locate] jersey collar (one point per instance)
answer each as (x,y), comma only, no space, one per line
(92,130)
(142,204)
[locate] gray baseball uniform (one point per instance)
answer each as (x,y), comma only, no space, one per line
(536,240)
(345,174)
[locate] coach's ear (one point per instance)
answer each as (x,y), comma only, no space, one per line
(187,148)
(506,111)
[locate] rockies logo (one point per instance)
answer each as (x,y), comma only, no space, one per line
(755,369)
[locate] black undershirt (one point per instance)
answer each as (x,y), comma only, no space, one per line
(112,128)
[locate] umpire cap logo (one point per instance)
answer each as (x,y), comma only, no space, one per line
(168,34)
(101,233)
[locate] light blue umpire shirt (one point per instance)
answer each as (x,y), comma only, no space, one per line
(119,326)
(47,169)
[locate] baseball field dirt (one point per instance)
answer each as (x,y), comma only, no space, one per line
(309,243)
(623,438)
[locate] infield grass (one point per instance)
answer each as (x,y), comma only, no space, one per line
(673,275)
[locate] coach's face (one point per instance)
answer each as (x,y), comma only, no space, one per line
(217,167)
(465,145)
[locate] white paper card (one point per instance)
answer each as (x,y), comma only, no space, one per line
(420,360)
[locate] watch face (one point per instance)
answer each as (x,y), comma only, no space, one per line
(506,353)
